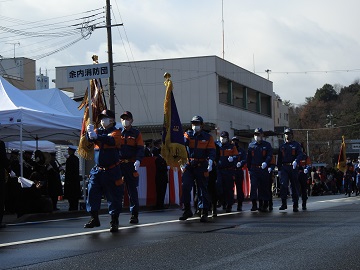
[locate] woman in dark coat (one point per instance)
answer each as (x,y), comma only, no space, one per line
(72,190)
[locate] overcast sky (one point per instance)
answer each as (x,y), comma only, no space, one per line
(304,43)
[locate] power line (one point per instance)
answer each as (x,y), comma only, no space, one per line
(327,128)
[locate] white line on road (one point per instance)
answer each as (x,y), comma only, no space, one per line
(30,241)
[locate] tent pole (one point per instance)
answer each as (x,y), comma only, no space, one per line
(21,152)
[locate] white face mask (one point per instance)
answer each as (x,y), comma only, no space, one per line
(257,138)
(125,123)
(223,140)
(105,122)
(196,128)
(288,137)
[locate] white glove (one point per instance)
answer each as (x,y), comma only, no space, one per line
(294,164)
(306,171)
(269,170)
(238,164)
(263,165)
(279,174)
(209,168)
(90,128)
(230,159)
(12,174)
(182,168)
(92,135)
(137,165)
(168,167)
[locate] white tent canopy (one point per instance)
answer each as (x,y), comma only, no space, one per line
(24,118)
(44,146)
(55,99)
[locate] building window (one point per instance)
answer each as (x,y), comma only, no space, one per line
(240,96)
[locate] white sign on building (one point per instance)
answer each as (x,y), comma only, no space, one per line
(88,72)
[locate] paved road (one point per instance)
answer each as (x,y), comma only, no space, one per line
(324,237)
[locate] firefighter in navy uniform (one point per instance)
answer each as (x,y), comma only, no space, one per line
(201,154)
(239,173)
(226,169)
(290,154)
(349,177)
(272,178)
(131,154)
(105,176)
(259,156)
(304,168)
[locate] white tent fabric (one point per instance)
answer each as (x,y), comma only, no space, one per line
(44,146)
(55,99)
(24,118)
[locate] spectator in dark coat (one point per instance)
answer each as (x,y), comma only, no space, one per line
(53,180)
(161,175)
(4,164)
(72,190)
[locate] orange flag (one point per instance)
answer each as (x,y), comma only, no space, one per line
(86,148)
(342,156)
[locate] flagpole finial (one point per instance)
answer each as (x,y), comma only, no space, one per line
(95,59)
(167,75)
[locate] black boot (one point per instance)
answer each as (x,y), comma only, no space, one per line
(283,205)
(254,206)
(239,206)
(295,207)
(214,211)
(187,212)
(264,206)
(114,223)
(134,219)
(304,205)
(271,205)
(94,221)
(228,209)
(204,215)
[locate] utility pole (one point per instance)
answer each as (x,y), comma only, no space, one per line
(110,57)
(223,31)
(110,54)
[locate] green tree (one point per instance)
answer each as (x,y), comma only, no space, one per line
(326,93)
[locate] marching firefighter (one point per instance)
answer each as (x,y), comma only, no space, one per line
(201,152)
(258,160)
(131,154)
(290,154)
(105,176)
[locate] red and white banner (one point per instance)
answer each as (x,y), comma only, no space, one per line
(147,186)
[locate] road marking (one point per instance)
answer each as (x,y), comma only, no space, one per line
(30,241)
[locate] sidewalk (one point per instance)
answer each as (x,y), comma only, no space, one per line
(62,213)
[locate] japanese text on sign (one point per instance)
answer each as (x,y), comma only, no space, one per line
(88,72)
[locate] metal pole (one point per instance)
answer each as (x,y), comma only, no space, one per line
(307,143)
(110,57)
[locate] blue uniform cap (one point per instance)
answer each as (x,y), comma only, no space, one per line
(258,131)
(197,119)
(224,134)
